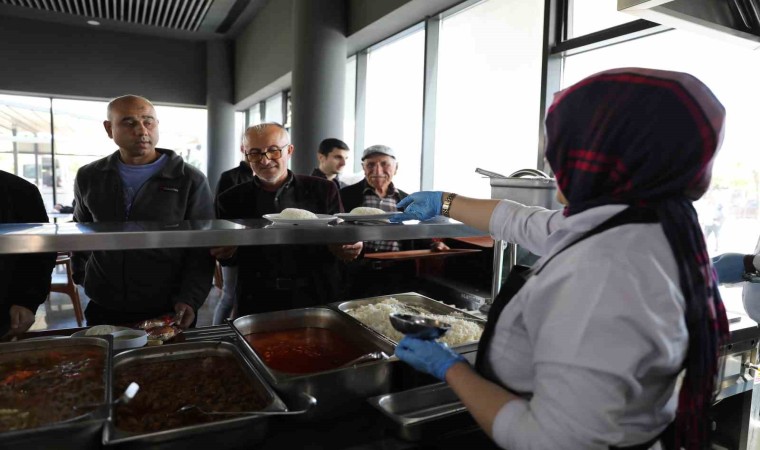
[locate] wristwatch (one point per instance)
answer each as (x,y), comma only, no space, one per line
(447,204)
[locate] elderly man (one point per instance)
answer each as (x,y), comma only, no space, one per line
(276,277)
(332,156)
(140,182)
(378,191)
(24,279)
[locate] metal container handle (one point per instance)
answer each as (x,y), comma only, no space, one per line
(529,173)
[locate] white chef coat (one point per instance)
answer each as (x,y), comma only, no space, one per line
(598,337)
(751,295)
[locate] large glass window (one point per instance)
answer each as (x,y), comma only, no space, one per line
(79,139)
(254,115)
(349,111)
(588,16)
(273,108)
(489,72)
(395,73)
(25,148)
(729,212)
(184,131)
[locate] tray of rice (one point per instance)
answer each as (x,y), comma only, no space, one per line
(373,313)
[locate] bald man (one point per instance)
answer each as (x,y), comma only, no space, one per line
(277,277)
(140,182)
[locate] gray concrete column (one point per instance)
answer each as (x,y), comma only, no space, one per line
(318,78)
(222,145)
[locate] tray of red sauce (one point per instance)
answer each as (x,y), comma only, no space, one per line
(304,350)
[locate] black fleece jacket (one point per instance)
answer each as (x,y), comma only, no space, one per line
(145,281)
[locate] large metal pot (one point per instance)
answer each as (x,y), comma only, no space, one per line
(527,186)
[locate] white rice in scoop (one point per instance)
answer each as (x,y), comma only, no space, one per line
(295,213)
(366,211)
(376,316)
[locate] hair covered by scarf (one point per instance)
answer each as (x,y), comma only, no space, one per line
(648,138)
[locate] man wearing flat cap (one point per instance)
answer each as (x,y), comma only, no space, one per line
(376,277)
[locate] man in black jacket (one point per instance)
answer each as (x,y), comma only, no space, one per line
(276,277)
(332,156)
(24,279)
(140,182)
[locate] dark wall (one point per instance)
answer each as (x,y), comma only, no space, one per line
(48,58)
(364,12)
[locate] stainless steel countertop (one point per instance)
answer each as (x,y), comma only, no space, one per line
(36,238)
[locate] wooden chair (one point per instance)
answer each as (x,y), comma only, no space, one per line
(68,288)
(218,278)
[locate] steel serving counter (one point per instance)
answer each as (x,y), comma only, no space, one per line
(37,238)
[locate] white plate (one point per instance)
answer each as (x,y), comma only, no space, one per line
(348,217)
(83,333)
(322,219)
(129,339)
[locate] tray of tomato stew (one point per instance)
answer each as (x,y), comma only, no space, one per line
(304,350)
(214,376)
(54,393)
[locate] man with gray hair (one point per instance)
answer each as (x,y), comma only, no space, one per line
(140,182)
(377,190)
(277,277)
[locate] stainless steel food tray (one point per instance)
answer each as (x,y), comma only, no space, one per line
(415,300)
(218,435)
(333,389)
(82,432)
(424,412)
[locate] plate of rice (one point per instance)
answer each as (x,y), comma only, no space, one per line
(366,213)
(295,216)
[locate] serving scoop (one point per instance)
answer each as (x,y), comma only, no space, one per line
(365,358)
(310,403)
(419,327)
(127,396)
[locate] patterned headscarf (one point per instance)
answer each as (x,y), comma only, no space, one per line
(648,138)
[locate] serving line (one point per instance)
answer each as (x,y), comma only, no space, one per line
(37,238)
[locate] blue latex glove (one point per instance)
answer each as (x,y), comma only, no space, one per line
(419,206)
(730,267)
(428,356)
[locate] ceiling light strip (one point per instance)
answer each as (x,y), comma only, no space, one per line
(177,15)
(151,16)
(165,15)
(173,14)
(199,18)
(186,19)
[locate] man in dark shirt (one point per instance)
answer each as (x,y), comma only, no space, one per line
(276,277)
(332,155)
(25,278)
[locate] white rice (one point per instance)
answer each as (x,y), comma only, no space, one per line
(100,330)
(376,316)
(295,213)
(366,211)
